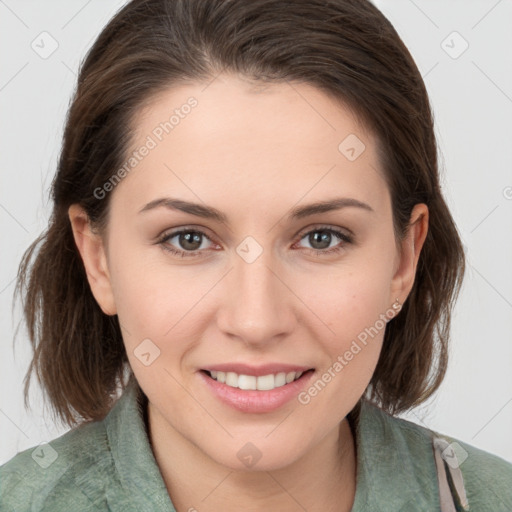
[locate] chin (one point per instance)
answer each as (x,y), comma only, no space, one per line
(261,454)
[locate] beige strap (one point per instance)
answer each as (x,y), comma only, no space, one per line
(443,451)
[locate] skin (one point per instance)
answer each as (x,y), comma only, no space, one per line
(254,154)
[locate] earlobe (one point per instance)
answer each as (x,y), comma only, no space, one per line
(411,246)
(92,251)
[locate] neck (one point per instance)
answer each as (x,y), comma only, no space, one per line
(324,479)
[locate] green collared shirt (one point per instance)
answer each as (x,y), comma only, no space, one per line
(109,465)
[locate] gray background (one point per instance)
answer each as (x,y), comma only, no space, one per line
(471,93)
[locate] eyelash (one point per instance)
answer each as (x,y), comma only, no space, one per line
(346,239)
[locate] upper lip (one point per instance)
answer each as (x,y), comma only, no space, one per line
(257,371)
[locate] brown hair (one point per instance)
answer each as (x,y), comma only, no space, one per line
(347,49)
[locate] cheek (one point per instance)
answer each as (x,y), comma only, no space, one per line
(356,315)
(353,301)
(155,300)
(349,298)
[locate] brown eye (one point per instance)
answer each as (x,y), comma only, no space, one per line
(321,239)
(188,242)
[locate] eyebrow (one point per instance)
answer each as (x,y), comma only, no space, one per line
(208,212)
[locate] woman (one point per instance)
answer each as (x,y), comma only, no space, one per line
(249,238)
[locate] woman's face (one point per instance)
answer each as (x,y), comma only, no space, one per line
(263,287)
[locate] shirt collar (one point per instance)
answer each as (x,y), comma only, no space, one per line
(395,464)
(131,450)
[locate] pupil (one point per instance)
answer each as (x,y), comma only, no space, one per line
(190,238)
(324,239)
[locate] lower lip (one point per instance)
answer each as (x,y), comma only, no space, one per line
(254,401)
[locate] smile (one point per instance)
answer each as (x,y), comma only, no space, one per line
(253,389)
(261,383)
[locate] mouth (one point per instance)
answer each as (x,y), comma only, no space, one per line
(252,389)
(266,382)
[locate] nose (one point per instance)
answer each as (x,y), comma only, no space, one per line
(258,307)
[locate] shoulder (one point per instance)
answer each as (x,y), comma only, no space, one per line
(102,465)
(487,477)
(47,476)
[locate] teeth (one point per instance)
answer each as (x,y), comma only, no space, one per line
(244,382)
(279,380)
(262,383)
(232,379)
(266,382)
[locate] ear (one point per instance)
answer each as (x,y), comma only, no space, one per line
(92,250)
(411,246)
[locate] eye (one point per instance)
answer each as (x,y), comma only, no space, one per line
(188,242)
(321,238)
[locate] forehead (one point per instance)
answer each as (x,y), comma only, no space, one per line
(231,109)
(258,141)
